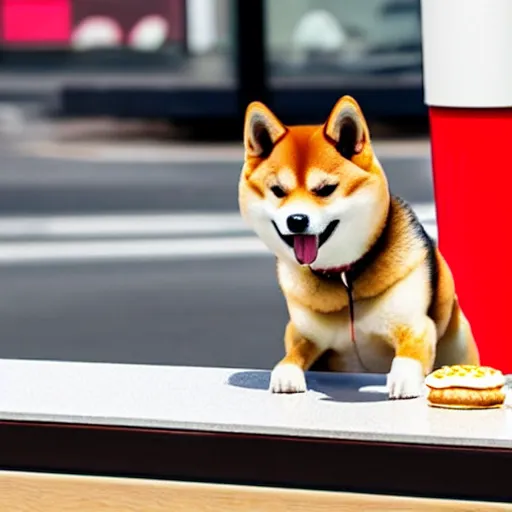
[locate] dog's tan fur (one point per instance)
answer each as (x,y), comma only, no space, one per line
(404,327)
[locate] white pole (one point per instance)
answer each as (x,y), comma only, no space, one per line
(467,52)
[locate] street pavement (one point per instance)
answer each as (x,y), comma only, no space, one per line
(144,261)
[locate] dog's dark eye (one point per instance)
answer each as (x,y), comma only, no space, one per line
(326,190)
(278,191)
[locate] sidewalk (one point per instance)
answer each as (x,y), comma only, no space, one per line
(131,141)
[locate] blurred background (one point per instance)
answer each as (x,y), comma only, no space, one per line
(120,152)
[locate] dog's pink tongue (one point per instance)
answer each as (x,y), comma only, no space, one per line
(306,248)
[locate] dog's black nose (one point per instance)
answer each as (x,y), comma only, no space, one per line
(297,223)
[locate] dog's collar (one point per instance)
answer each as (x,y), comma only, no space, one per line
(353,270)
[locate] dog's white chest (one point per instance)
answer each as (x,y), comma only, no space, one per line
(406,303)
(334,331)
(359,344)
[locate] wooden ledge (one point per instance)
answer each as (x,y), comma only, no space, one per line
(25,492)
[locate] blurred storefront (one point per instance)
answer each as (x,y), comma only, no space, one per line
(198,58)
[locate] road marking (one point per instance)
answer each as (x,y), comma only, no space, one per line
(137,250)
(425,211)
(90,251)
(111,226)
(122,225)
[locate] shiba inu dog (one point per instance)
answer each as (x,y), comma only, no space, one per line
(366,288)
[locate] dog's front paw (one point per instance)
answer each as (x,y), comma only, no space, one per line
(405,380)
(287,378)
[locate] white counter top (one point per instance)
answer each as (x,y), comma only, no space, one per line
(238,401)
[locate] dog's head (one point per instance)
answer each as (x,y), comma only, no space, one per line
(315,195)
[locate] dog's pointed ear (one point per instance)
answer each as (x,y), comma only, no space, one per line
(347,130)
(262,130)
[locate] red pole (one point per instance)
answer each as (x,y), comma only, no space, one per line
(468,88)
